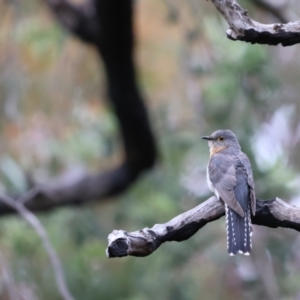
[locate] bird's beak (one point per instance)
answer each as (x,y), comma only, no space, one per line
(206,138)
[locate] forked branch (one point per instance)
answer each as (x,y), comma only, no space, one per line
(271,213)
(245,29)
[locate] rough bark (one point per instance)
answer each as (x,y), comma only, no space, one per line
(245,29)
(271,213)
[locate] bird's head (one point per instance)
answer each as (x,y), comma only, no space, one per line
(222,139)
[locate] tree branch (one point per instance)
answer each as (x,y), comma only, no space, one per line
(271,213)
(74,190)
(245,29)
(108,25)
(38,227)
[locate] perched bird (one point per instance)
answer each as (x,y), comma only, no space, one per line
(229,176)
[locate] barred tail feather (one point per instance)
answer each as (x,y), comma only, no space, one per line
(239,231)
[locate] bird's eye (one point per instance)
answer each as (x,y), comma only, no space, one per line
(221,138)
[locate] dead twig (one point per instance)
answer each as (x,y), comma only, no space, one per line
(38,227)
(271,213)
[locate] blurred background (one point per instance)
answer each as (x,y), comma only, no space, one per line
(54,119)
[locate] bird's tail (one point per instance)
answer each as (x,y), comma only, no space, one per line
(239,232)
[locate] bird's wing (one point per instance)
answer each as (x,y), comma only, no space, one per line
(245,161)
(222,175)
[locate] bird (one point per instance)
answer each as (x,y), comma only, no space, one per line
(229,176)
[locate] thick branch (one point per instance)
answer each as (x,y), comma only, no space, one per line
(245,29)
(74,190)
(108,25)
(271,213)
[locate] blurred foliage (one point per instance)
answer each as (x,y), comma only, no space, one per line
(54,118)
